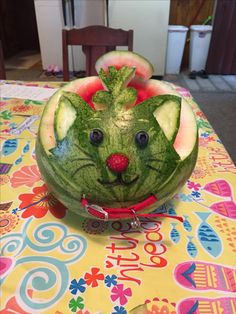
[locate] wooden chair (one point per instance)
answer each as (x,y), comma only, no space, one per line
(2,67)
(95,41)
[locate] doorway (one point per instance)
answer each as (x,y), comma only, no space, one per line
(19,34)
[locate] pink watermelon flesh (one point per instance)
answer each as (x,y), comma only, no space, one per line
(146,89)
(87,91)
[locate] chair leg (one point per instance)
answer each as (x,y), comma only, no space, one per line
(65,61)
(2,66)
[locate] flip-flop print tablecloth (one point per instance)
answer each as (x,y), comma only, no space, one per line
(53,261)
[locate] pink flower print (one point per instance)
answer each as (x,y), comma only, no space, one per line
(2,103)
(204,141)
(183,92)
(210,138)
(201,114)
(6,131)
(118,292)
(195,186)
(27,175)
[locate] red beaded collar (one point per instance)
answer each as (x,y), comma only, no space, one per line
(133,211)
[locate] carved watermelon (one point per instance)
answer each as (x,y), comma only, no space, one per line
(118,141)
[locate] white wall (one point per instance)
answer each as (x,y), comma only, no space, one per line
(149,20)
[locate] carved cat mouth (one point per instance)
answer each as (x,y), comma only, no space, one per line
(118,181)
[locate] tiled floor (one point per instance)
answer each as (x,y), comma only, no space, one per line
(214,83)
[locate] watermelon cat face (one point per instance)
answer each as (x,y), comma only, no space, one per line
(118,153)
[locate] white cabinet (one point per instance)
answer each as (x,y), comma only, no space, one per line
(149,19)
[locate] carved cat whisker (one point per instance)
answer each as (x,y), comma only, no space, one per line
(81,159)
(82,167)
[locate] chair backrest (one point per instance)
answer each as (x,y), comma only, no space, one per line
(2,67)
(95,41)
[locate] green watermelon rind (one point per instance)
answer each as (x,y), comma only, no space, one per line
(119,58)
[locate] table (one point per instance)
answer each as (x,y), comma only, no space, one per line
(56,262)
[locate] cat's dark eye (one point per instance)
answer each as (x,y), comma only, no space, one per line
(96,136)
(142,138)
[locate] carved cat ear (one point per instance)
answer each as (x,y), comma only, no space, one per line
(70,107)
(166,110)
(168,116)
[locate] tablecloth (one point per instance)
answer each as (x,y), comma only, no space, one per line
(53,261)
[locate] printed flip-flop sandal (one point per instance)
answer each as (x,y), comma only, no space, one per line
(205,305)
(203,74)
(198,275)
(192,75)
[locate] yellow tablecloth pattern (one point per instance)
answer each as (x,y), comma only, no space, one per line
(53,261)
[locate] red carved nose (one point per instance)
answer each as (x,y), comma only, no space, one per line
(117,162)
